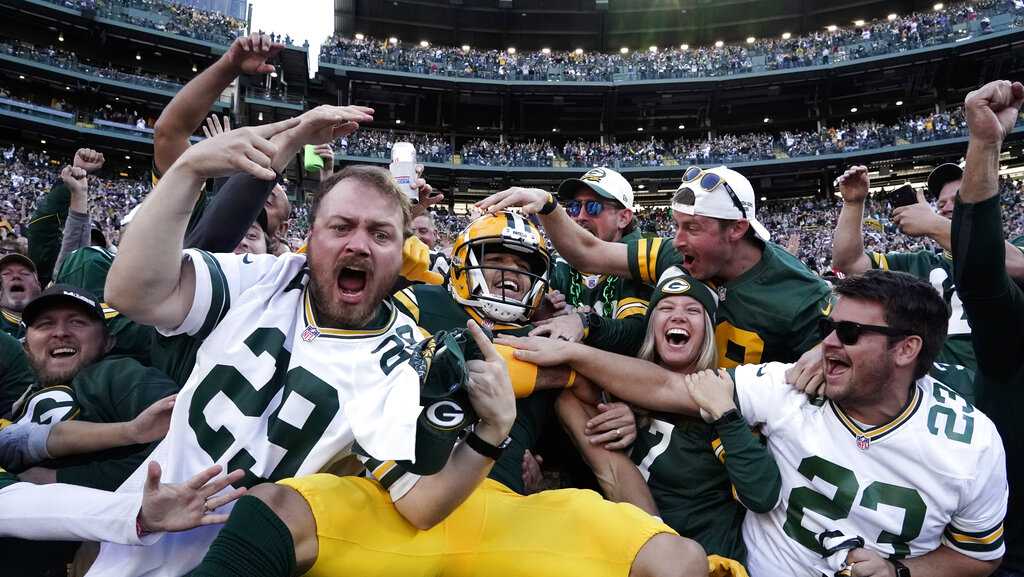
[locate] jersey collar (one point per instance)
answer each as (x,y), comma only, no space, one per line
(11,316)
(877,432)
(386,315)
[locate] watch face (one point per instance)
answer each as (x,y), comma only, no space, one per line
(504,444)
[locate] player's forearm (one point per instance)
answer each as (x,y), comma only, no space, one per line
(945,562)
(633,380)
(1014,261)
(583,250)
(981,172)
(149,266)
(848,242)
(434,497)
(80,437)
(186,112)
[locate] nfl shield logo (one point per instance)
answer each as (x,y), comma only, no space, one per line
(863,443)
(310,333)
(592,281)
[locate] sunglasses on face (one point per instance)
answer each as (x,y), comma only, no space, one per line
(849,332)
(709,181)
(593,207)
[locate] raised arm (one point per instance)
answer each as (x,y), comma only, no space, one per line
(633,380)
(581,249)
(149,281)
(187,110)
(848,243)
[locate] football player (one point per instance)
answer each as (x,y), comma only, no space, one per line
(770,303)
(498,278)
(892,460)
(297,358)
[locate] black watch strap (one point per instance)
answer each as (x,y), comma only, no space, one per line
(728,417)
(901,569)
(486,449)
(550,205)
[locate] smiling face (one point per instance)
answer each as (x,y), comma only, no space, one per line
(254,241)
(704,244)
(510,284)
(678,325)
(62,341)
(857,374)
(424,229)
(947,196)
(18,286)
(354,252)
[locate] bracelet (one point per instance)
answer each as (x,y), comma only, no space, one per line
(572,379)
(549,206)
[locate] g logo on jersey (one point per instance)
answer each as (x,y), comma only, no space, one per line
(445,415)
(50,405)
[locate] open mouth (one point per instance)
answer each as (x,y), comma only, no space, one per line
(352,281)
(63,352)
(508,286)
(835,365)
(677,337)
(17,289)
(688,259)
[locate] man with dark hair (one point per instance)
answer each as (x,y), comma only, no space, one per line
(892,473)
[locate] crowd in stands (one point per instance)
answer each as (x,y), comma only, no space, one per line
(207,25)
(376,143)
(68,60)
(805,226)
(884,36)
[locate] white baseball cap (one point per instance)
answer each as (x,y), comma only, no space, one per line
(693,197)
(602,180)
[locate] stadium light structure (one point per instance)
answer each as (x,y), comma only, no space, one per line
(854,109)
(639,128)
(684,47)
(899,103)
(398,121)
(424,44)
(891,17)
(642,186)
(764,198)
(682,127)
(653,49)
(465,47)
(392,40)
(60,37)
(359,36)
(259,116)
(579,52)
(750,39)
(127,157)
(858,23)
(786,35)
(545,50)
(554,130)
(138,56)
(42,142)
(273,74)
(766,120)
(194,69)
(831,28)
(21,77)
(939,6)
(719,44)
(623,50)
(511,50)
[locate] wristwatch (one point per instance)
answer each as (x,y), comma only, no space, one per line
(901,569)
(486,449)
(549,206)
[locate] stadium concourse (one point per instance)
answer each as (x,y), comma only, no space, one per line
(512,288)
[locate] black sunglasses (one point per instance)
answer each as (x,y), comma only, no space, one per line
(709,181)
(849,332)
(593,207)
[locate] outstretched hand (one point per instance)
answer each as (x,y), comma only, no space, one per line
(249,54)
(247,149)
(187,505)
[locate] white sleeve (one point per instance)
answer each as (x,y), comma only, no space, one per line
(220,278)
(392,477)
(60,512)
(763,395)
(976,529)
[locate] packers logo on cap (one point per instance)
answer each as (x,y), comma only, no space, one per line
(594,175)
(676,287)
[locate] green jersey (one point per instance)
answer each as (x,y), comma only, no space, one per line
(768,313)
(87,268)
(10,323)
(621,302)
(112,390)
(938,271)
(433,309)
(46,229)
(15,373)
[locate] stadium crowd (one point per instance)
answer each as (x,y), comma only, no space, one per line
(210,381)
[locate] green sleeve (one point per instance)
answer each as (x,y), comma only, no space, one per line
(752,469)
(559,276)
(86,268)
(15,374)
(7,479)
(806,333)
(46,229)
(622,336)
(650,257)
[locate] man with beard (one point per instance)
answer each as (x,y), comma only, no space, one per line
(301,357)
(18,286)
(340,525)
(770,303)
(609,309)
(891,474)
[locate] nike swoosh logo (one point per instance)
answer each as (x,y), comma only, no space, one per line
(760,371)
(247,259)
(827,310)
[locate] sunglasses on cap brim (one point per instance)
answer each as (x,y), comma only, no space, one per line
(708,181)
(849,332)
